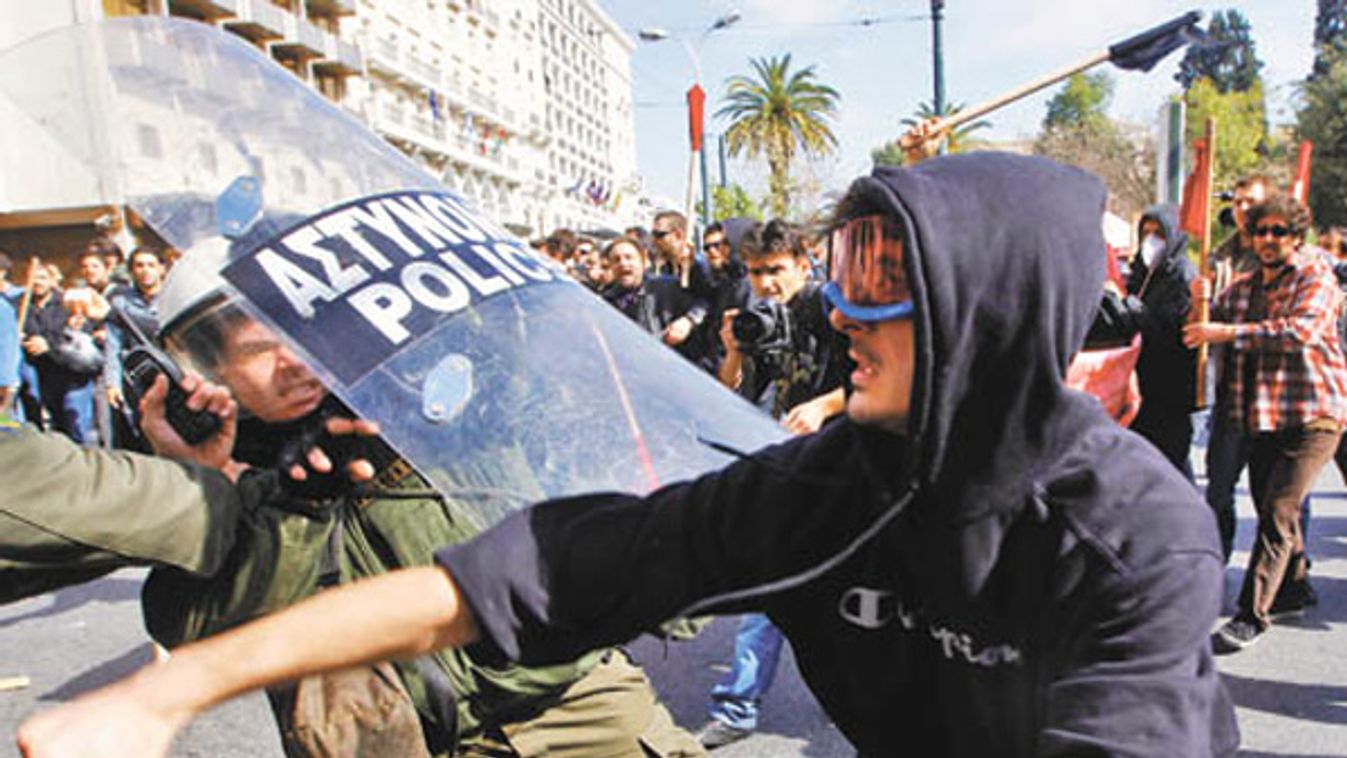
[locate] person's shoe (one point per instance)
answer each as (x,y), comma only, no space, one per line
(1238,633)
(1293,600)
(717,733)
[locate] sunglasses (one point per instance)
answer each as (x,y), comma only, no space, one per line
(708,247)
(1277,231)
(660,233)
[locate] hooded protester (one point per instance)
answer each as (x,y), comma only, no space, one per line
(1156,304)
(976,561)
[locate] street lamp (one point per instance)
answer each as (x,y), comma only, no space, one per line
(696,97)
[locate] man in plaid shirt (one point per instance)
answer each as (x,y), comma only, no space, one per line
(1287,387)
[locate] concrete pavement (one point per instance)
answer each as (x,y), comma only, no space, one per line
(1291,688)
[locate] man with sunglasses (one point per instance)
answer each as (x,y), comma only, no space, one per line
(1286,384)
(974,561)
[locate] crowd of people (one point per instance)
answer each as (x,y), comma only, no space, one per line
(752,310)
(62,339)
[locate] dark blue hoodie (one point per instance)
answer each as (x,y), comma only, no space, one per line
(1016,575)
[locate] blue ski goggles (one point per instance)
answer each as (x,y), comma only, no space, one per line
(868,281)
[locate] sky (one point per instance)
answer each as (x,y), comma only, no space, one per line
(883,71)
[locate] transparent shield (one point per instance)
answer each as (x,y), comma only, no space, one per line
(487,368)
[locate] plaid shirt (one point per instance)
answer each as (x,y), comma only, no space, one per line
(1285,369)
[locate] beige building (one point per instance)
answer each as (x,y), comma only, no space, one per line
(522,106)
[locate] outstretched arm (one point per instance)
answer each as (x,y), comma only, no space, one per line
(402,614)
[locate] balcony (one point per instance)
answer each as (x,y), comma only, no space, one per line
(424,72)
(340,58)
(308,41)
(209,10)
(385,56)
(330,7)
(260,21)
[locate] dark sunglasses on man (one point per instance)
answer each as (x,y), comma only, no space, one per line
(1277,231)
(714,245)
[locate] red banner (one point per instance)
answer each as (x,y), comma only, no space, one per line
(696,107)
(1300,189)
(1195,212)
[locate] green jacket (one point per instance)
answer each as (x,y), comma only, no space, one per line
(69,514)
(282,551)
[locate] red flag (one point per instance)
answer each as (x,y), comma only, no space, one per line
(1195,212)
(696,105)
(1300,190)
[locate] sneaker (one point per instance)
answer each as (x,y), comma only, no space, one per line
(1237,634)
(1293,600)
(717,733)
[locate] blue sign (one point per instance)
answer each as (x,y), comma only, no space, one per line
(359,282)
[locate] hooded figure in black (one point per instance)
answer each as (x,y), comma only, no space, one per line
(1008,574)
(1156,305)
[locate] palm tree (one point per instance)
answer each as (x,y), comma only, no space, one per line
(776,114)
(958,139)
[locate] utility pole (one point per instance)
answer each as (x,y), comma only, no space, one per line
(938,55)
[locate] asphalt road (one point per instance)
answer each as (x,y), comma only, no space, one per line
(1291,688)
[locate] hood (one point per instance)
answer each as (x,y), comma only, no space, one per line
(1167,214)
(1006,262)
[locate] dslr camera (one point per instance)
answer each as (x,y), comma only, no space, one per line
(762,328)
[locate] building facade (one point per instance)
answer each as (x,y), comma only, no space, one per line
(522,106)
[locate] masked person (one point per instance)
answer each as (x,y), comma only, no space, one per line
(1156,304)
(445,703)
(976,561)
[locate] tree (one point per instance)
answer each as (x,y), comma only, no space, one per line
(732,201)
(1082,102)
(960,140)
(888,154)
(1241,127)
(1228,58)
(1323,121)
(777,114)
(1077,131)
(1330,35)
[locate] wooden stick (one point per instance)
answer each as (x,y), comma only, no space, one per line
(685,268)
(14,683)
(27,299)
(1203,305)
(946,123)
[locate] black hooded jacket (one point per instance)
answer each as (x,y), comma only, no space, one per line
(1015,576)
(1157,303)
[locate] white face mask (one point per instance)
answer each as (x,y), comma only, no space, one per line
(1151,247)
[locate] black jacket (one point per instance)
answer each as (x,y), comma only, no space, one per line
(1015,576)
(659,301)
(1157,305)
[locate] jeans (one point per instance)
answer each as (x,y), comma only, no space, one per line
(29,406)
(70,404)
(757,648)
(1227,454)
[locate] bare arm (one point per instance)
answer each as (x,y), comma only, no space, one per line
(402,614)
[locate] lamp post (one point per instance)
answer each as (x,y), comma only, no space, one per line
(938,61)
(696,99)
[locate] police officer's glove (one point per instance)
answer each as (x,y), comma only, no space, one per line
(317,464)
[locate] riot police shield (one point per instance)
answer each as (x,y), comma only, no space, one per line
(486,366)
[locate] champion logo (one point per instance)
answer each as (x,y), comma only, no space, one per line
(874,609)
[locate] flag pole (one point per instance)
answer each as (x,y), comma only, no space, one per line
(1202,308)
(1140,52)
(27,298)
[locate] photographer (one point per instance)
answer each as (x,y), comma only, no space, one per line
(779,351)
(781,354)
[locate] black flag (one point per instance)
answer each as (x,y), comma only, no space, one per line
(1143,51)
